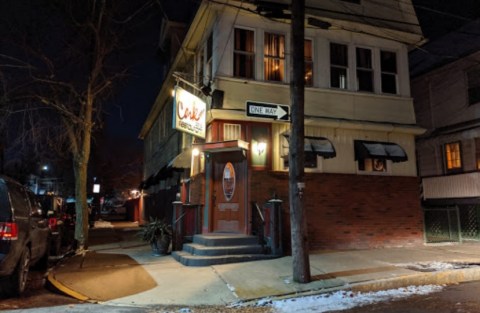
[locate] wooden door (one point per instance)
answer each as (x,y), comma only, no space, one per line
(229,192)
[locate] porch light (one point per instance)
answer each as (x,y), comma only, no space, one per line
(195,152)
(261,147)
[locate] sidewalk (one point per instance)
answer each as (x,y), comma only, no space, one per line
(124,272)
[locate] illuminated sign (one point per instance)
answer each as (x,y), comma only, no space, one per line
(190,113)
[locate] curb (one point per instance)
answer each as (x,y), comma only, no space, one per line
(64,289)
(447,277)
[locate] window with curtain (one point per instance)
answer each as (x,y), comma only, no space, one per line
(338,65)
(274,57)
(308,63)
(453,157)
(244,53)
(364,69)
(388,65)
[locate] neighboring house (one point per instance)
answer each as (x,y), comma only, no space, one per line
(446,91)
(362,189)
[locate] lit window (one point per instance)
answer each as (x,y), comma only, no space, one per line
(338,65)
(388,64)
(308,63)
(453,157)
(364,70)
(473,79)
(244,53)
(274,57)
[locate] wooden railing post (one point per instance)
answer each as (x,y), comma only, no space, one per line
(177,226)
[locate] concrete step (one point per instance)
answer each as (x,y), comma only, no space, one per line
(218,239)
(199,249)
(188,259)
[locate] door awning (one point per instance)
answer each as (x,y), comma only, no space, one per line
(183,160)
(379,150)
(222,146)
(318,145)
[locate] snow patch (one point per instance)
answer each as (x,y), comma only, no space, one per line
(343,300)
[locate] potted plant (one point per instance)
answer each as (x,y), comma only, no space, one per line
(158,233)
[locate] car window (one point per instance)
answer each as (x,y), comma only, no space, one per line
(5,209)
(19,200)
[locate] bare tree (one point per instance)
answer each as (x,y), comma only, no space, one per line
(63,58)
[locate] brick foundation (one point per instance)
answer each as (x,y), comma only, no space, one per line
(350,211)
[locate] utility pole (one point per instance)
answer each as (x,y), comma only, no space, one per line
(298,223)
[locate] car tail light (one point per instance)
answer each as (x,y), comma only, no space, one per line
(8,231)
(52,223)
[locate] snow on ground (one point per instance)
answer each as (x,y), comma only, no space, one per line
(103,224)
(343,300)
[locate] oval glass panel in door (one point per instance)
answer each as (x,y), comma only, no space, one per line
(228,181)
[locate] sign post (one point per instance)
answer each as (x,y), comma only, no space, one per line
(273,111)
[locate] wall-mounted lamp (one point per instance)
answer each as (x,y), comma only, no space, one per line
(195,152)
(261,147)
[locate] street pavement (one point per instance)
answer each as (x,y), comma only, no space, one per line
(120,270)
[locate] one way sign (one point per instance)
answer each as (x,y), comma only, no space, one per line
(268,110)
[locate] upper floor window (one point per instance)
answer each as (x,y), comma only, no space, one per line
(453,156)
(373,156)
(244,53)
(308,63)
(208,59)
(364,69)
(313,146)
(477,153)
(232,131)
(388,65)
(473,80)
(338,65)
(274,57)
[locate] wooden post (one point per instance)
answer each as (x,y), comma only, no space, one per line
(301,263)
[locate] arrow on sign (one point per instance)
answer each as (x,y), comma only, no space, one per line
(268,110)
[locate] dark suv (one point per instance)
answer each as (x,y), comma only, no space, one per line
(24,236)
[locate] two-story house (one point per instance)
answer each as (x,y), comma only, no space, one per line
(446,90)
(228,92)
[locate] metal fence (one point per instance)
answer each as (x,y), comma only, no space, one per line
(442,224)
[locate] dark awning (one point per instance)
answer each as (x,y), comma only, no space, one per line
(379,150)
(318,145)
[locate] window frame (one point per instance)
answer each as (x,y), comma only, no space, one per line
(473,88)
(247,54)
(338,66)
(280,58)
(453,168)
(387,73)
(364,69)
(309,62)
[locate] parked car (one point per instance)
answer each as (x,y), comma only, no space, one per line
(61,223)
(92,211)
(24,236)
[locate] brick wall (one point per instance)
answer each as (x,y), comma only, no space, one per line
(350,211)
(197,189)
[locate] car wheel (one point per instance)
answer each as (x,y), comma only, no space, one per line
(43,262)
(16,283)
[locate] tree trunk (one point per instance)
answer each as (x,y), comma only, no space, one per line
(301,263)
(81,205)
